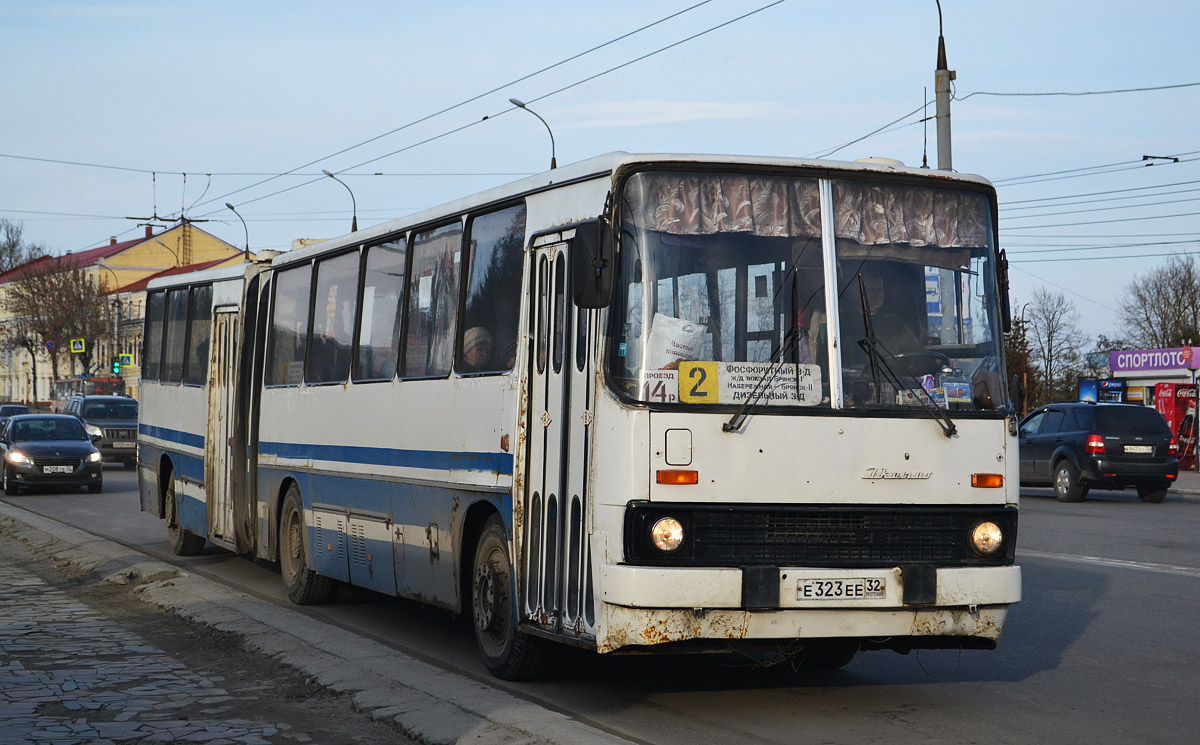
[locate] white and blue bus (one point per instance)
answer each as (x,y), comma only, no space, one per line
(638,403)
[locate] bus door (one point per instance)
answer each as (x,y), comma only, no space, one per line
(555,586)
(219,478)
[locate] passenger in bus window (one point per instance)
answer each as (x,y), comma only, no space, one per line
(477,350)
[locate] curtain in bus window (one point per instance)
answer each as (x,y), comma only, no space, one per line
(703,204)
(493,292)
(176,335)
(200,328)
(382,307)
(155,311)
(335,306)
(936,227)
(289,327)
(433,301)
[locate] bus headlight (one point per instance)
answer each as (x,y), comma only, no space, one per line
(987,538)
(667,534)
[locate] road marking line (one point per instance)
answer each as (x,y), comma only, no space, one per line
(1120,563)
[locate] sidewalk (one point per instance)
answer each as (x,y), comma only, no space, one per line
(425,702)
(1187,483)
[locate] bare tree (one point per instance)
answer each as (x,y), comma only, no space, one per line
(1162,307)
(52,303)
(1057,340)
(14,250)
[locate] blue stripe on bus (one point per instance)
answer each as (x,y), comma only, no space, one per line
(501,463)
(176,436)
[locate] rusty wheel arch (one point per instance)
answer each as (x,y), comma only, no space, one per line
(472,527)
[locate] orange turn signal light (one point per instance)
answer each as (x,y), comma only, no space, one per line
(987,480)
(677,476)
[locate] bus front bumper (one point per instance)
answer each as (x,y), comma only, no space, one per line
(648,606)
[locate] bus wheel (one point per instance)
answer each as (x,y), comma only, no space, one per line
(183,542)
(303,585)
(508,653)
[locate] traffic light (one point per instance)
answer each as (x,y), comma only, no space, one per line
(116,365)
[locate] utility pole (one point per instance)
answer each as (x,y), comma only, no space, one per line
(941,86)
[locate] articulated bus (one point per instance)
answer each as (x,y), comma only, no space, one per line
(640,403)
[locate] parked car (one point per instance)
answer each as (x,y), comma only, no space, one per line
(7,410)
(50,450)
(1076,446)
(112,420)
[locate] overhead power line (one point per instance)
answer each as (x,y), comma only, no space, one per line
(542,97)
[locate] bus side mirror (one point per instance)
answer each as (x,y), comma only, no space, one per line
(592,264)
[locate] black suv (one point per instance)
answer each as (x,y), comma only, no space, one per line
(114,420)
(1075,446)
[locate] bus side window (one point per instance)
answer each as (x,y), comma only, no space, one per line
(199,330)
(175,336)
(289,327)
(382,310)
(155,310)
(333,319)
(493,303)
(433,301)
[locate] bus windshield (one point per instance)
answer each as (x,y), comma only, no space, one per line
(727,295)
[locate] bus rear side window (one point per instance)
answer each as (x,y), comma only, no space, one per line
(199,331)
(151,357)
(289,327)
(176,335)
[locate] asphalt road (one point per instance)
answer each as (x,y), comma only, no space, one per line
(1101,650)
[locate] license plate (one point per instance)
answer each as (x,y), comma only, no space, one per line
(1139,448)
(124,444)
(57,469)
(847,588)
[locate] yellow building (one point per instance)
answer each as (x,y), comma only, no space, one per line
(122,269)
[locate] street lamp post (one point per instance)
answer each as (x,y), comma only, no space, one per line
(246,253)
(521,105)
(353,202)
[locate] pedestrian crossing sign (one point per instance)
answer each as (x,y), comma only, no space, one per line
(126,359)
(77,346)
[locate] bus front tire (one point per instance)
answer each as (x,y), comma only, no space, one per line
(183,542)
(508,653)
(303,585)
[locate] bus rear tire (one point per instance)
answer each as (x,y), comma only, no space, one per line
(183,542)
(303,585)
(508,653)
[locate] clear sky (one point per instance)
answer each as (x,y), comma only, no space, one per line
(249,90)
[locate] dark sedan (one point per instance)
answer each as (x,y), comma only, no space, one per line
(48,450)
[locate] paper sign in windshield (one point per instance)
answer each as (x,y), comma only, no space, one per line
(735,382)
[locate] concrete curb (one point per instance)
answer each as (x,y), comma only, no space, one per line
(424,702)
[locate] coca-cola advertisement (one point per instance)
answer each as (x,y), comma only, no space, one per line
(1177,403)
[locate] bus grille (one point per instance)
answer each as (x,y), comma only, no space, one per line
(818,535)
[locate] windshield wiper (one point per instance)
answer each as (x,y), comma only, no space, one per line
(878,356)
(739,418)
